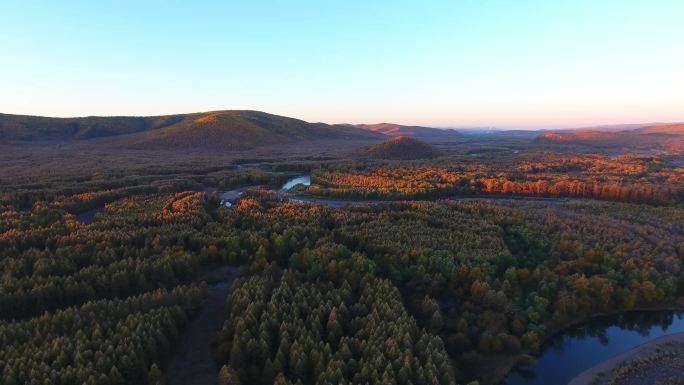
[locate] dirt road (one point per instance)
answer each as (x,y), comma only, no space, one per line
(192,362)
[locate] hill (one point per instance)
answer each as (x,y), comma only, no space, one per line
(244,129)
(669,129)
(582,137)
(225,129)
(417,132)
(668,138)
(629,133)
(25,127)
(399,148)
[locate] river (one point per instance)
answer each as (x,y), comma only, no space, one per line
(229,197)
(562,358)
(581,347)
(88,217)
(576,349)
(302,179)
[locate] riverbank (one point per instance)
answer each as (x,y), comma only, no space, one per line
(592,376)
(498,367)
(505,371)
(286,190)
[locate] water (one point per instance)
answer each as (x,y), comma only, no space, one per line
(229,197)
(88,217)
(304,179)
(584,346)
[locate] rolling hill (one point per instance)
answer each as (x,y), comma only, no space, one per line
(582,137)
(399,148)
(217,129)
(417,132)
(243,129)
(32,128)
(666,137)
(669,129)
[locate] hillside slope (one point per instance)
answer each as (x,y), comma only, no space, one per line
(244,129)
(669,138)
(417,132)
(671,129)
(583,137)
(216,129)
(399,148)
(33,128)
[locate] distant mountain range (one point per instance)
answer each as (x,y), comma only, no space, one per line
(221,129)
(417,132)
(241,129)
(224,129)
(672,129)
(661,136)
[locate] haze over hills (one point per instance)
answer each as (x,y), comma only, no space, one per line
(399,148)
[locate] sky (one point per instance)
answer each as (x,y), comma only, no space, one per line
(454,63)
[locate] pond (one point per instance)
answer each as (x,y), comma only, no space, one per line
(584,346)
(302,179)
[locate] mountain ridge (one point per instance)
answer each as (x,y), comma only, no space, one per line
(231,128)
(418,132)
(667,137)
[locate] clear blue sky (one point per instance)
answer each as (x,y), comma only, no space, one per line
(504,63)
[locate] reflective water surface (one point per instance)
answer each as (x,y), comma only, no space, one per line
(303,179)
(583,346)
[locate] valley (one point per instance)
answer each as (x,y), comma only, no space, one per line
(342,193)
(487,258)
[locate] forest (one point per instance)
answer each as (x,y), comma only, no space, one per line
(627,178)
(409,289)
(342,192)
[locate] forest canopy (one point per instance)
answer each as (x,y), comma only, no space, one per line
(428,271)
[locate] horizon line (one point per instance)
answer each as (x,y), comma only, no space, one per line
(596,126)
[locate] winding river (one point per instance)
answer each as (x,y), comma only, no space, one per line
(583,346)
(564,357)
(576,349)
(229,197)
